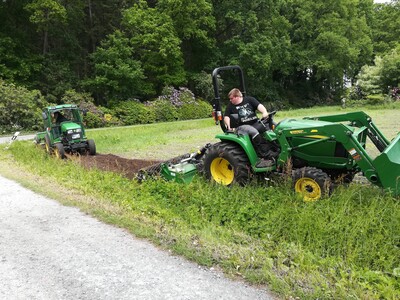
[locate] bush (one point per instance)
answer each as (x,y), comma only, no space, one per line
(95,115)
(375,99)
(197,110)
(185,103)
(164,110)
(20,109)
(133,112)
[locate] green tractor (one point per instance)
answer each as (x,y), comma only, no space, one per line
(64,132)
(316,152)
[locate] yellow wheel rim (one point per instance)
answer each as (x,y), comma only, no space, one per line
(222,171)
(309,188)
(47,148)
(57,153)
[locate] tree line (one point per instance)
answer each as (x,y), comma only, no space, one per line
(300,52)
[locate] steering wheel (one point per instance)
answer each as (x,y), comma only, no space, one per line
(269,122)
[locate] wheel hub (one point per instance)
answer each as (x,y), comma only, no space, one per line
(222,171)
(309,188)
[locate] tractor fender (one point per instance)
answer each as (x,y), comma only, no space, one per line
(244,141)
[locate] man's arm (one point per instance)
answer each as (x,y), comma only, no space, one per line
(227,121)
(261,108)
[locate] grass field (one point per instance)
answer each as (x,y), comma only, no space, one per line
(346,246)
(166,140)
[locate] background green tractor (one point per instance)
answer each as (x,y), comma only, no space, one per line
(316,152)
(64,131)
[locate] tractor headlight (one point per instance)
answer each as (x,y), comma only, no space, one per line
(70,131)
(78,130)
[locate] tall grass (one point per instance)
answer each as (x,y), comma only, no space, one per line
(346,246)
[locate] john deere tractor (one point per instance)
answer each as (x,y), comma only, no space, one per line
(317,152)
(64,131)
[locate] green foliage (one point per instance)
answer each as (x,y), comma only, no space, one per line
(386,27)
(133,112)
(94,117)
(369,79)
(203,85)
(390,76)
(194,24)
(47,15)
(20,109)
(154,42)
(181,104)
(295,52)
(164,110)
(118,74)
(196,110)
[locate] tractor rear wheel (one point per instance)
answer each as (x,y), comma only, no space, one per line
(226,163)
(48,144)
(59,151)
(311,183)
(92,147)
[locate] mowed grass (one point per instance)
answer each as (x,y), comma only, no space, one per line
(346,246)
(166,140)
(156,141)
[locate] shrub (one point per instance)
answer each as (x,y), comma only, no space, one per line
(133,112)
(164,110)
(197,110)
(95,115)
(20,109)
(186,104)
(375,99)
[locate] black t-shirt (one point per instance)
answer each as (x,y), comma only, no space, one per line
(246,111)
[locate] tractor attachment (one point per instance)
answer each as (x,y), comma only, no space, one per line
(180,169)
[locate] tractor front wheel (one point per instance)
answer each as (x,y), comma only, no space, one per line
(59,151)
(311,183)
(47,144)
(226,163)
(92,147)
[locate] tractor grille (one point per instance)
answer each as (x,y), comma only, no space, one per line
(74,136)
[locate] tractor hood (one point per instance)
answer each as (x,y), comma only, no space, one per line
(67,126)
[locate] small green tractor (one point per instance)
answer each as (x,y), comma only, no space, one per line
(316,152)
(65,135)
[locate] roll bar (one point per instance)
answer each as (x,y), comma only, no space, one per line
(217,112)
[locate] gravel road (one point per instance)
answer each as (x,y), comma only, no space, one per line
(50,251)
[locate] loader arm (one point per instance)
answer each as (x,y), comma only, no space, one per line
(359,119)
(383,171)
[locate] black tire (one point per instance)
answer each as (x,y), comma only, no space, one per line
(59,151)
(226,163)
(311,183)
(48,147)
(92,147)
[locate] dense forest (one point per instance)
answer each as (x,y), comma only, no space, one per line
(300,52)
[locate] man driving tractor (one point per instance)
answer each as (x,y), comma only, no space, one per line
(241,115)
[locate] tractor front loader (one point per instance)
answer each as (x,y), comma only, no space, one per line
(319,151)
(66,134)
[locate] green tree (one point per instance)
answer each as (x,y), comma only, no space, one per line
(117,74)
(330,40)
(46,14)
(370,77)
(20,108)
(194,24)
(390,76)
(155,44)
(386,27)
(254,35)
